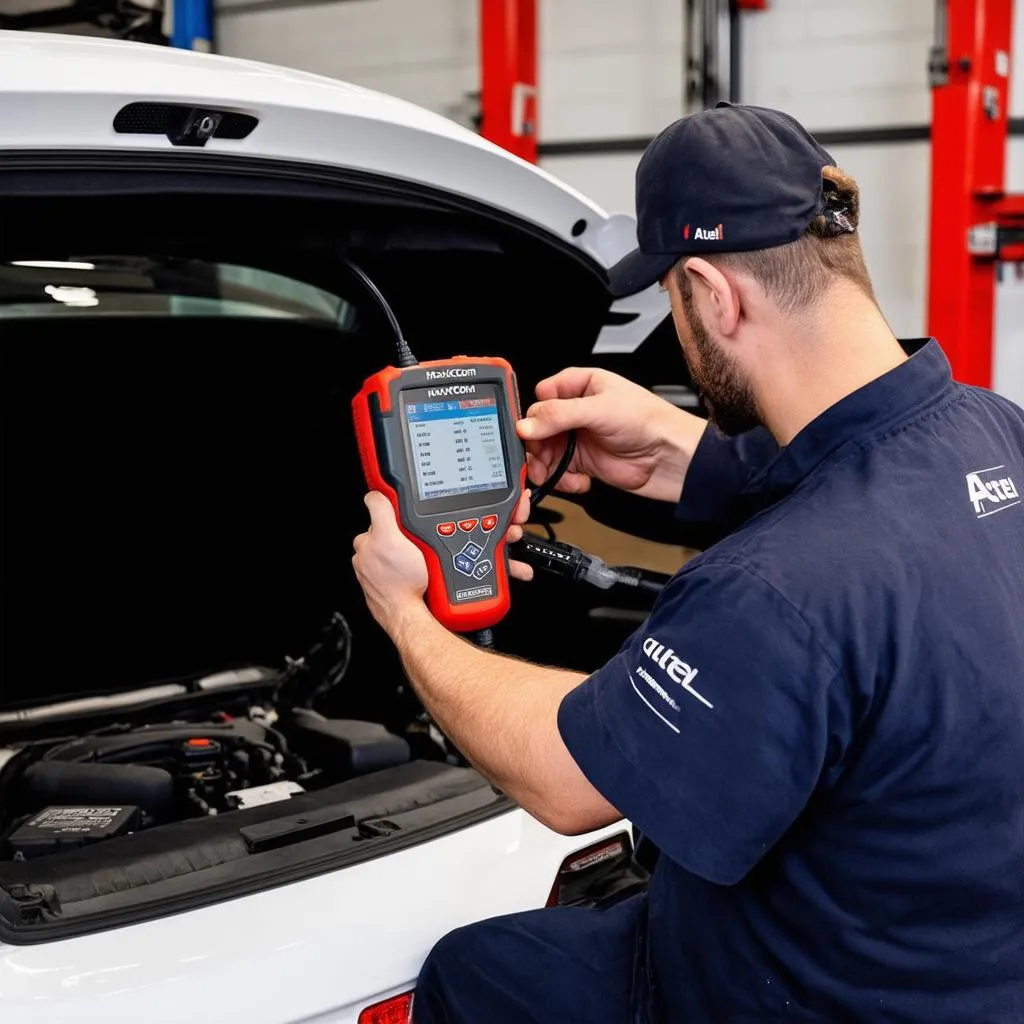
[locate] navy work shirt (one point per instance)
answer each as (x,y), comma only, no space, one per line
(821,724)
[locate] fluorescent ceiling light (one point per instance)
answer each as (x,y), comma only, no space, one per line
(54,264)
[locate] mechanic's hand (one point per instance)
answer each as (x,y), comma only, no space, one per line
(391,569)
(519,570)
(626,436)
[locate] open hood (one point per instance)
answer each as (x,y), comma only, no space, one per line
(180,484)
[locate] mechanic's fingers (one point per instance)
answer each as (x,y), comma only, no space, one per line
(522,512)
(514,534)
(520,570)
(382,513)
(572,482)
(571,382)
(556,416)
(358,542)
(540,460)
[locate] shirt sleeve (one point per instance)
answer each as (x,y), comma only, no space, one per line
(712,726)
(715,496)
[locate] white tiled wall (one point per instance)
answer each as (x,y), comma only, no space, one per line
(425,51)
(610,69)
(607,68)
(833,64)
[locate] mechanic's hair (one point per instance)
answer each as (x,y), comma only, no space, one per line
(797,274)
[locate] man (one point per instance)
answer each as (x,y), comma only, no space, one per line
(821,724)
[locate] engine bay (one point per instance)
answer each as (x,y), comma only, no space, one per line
(210,533)
(208,754)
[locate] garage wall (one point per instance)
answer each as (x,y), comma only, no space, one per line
(607,69)
(425,51)
(611,70)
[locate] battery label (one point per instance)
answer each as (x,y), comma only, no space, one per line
(76,819)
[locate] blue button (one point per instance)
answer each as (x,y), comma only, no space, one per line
(464,565)
(482,569)
(474,551)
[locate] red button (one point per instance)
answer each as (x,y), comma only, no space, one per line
(488,523)
(445,529)
(468,525)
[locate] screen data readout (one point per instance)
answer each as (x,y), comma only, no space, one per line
(456,447)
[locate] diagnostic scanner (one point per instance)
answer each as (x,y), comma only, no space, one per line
(438,439)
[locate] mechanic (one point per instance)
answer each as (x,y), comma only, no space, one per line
(821,723)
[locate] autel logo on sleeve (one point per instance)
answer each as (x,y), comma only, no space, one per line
(674,667)
(991,490)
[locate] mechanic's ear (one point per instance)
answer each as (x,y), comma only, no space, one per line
(721,299)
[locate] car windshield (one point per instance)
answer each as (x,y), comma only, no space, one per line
(111,286)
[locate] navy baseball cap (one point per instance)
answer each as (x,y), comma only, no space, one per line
(732,178)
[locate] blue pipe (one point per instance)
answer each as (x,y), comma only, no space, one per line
(192,24)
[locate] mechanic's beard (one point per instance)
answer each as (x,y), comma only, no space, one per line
(727,395)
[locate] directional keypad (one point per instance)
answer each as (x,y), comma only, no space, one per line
(469,559)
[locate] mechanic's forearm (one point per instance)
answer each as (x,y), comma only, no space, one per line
(681,432)
(501,714)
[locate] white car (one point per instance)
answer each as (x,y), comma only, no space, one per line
(218,801)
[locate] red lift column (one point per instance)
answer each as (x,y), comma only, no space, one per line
(508,57)
(970,95)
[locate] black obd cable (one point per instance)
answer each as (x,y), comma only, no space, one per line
(571,562)
(538,492)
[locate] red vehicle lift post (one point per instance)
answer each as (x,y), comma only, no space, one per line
(975,226)
(508,58)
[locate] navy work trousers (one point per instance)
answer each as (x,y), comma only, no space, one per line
(560,965)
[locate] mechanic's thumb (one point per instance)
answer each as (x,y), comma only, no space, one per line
(556,416)
(382,513)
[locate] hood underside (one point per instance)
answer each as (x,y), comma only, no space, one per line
(180,484)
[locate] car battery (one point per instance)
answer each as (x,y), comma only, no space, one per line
(58,829)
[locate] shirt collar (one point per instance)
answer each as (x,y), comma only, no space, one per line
(896,397)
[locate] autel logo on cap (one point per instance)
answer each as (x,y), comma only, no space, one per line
(991,490)
(715,234)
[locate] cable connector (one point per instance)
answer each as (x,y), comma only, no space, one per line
(572,563)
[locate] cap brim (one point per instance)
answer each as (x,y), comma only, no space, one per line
(637,271)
